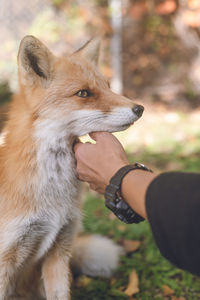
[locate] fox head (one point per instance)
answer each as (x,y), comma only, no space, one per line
(69,94)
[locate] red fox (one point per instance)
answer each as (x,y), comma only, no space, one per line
(59,99)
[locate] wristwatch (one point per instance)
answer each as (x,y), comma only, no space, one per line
(114,200)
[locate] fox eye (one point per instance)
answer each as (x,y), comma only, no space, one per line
(83,93)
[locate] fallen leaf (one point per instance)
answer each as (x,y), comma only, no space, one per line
(131,245)
(122,227)
(177,298)
(83,281)
(98,212)
(111,216)
(113,280)
(132,288)
(167,291)
(111,233)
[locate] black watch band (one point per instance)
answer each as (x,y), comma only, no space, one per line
(114,200)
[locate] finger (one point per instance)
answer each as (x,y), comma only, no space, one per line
(92,186)
(96,189)
(80,179)
(98,134)
(94,135)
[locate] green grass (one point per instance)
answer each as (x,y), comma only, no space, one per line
(164,153)
(154,271)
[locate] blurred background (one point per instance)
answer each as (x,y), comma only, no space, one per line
(151,53)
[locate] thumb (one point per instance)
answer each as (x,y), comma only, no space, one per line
(76,145)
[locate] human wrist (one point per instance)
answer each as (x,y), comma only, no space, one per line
(133,189)
(112,170)
(114,200)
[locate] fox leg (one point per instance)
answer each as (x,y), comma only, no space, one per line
(14,260)
(55,269)
(8,270)
(12,264)
(28,283)
(56,275)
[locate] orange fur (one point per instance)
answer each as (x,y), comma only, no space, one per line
(39,205)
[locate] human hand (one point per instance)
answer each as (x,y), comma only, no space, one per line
(97,163)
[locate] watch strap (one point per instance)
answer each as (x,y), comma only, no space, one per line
(114,200)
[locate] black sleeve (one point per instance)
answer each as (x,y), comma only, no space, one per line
(173,210)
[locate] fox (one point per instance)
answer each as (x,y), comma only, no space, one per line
(59,99)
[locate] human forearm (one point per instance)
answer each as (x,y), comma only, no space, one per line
(133,189)
(173,206)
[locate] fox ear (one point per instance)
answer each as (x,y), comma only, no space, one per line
(91,50)
(34,60)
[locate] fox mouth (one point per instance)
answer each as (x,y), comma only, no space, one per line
(122,127)
(128,124)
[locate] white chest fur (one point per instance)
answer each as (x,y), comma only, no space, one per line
(57,186)
(57,182)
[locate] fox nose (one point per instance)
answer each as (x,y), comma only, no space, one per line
(138,110)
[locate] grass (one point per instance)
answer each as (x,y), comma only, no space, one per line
(163,152)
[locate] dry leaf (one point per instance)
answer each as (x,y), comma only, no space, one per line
(177,298)
(167,291)
(122,227)
(111,233)
(111,216)
(98,212)
(132,288)
(131,246)
(83,281)
(113,280)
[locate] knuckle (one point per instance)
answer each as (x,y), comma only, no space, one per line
(80,176)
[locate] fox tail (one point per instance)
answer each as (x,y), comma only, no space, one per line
(95,256)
